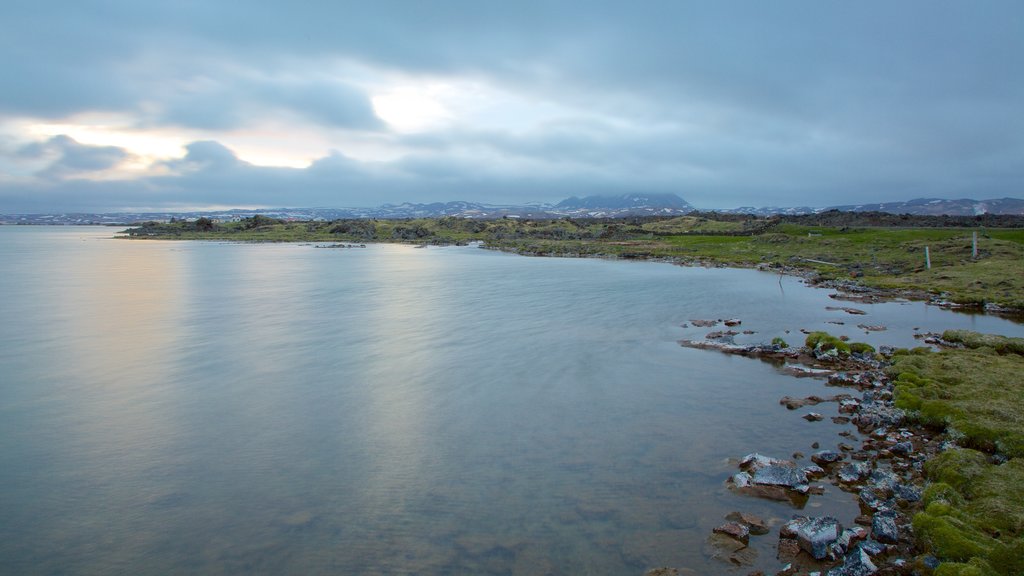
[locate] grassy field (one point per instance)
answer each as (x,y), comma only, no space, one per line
(881,257)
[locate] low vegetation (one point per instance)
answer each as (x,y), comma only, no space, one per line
(973,516)
(832,245)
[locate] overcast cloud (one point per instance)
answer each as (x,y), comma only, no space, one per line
(117,105)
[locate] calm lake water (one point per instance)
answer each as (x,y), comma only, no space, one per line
(213,408)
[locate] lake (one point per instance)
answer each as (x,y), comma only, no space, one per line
(217,408)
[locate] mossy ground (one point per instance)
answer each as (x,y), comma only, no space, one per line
(973,518)
(876,256)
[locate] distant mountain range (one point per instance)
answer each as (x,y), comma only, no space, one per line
(917,207)
(586,207)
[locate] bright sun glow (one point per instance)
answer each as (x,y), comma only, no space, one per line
(411,108)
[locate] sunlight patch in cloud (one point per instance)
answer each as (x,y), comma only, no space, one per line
(412,108)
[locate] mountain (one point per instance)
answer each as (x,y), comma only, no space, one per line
(586,207)
(916,207)
(940,207)
(638,202)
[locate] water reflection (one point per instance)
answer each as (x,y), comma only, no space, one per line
(219,408)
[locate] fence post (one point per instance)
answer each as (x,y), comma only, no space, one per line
(927,259)
(974,245)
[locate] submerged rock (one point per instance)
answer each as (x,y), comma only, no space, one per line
(734,530)
(755,524)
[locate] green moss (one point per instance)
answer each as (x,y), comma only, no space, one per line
(777,341)
(824,341)
(861,348)
(957,469)
(974,514)
(978,392)
(974,340)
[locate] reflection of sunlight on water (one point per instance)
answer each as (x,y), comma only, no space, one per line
(119,311)
(402,321)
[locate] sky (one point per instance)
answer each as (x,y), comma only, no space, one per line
(112,106)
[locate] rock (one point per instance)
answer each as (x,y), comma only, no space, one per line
(815,445)
(826,457)
(753,462)
(872,328)
(779,475)
(798,455)
(813,471)
(813,417)
(794,403)
(788,549)
(884,528)
(755,524)
(730,551)
(848,406)
(855,311)
(734,530)
(703,323)
(872,547)
(814,535)
(856,563)
(854,472)
(907,492)
(733,322)
(902,448)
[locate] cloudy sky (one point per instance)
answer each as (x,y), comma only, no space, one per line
(128,105)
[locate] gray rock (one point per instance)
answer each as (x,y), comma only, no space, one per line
(814,535)
(854,471)
(884,480)
(813,417)
(780,475)
(826,457)
(856,563)
(813,471)
(884,528)
(902,448)
(755,461)
(907,492)
(872,547)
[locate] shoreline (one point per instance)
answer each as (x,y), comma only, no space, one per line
(880,466)
(893,557)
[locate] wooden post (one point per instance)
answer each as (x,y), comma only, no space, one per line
(974,245)
(927,259)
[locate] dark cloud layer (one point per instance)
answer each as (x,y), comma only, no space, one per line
(724,103)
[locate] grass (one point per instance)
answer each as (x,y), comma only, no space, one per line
(881,257)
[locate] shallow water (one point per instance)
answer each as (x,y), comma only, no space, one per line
(220,408)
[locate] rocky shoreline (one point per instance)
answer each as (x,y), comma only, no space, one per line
(881,465)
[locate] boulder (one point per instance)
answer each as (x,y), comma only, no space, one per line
(814,535)
(856,563)
(826,457)
(753,462)
(884,527)
(813,417)
(902,448)
(780,475)
(854,472)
